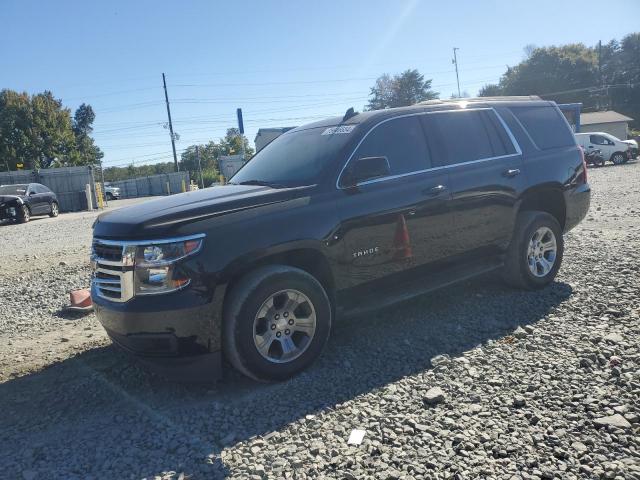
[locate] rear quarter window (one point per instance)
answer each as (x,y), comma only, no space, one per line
(546,126)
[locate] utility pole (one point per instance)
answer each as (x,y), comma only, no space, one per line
(173,140)
(455,62)
(199,165)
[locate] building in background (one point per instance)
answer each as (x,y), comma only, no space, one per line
(267,135)
(608,121)
(229,165)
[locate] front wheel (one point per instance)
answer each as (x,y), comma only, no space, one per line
(276,321)
(535,252)
(618,158)
(109,196)
(55,210)
(25,214)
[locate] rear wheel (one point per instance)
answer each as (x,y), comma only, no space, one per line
(618,158)
(535,254)
(55,209)
(25,214)
(276,321)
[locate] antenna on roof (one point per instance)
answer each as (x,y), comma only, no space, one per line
(350,113)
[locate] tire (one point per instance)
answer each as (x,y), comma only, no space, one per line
(109,196)
(618,158)
(25,215)
(519,263)
(55,209)
(243,329)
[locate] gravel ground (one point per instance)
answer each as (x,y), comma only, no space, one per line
(477,381)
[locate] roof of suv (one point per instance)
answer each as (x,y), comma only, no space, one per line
(430,105)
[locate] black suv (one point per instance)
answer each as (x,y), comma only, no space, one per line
(21,201)
(341,215)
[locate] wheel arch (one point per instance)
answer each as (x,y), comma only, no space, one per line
(547,198)
(617,152)
(303,256)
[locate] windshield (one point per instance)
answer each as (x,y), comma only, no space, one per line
(293,159)
(13,189)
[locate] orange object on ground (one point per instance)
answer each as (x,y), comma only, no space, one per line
(402,241)
(80,301)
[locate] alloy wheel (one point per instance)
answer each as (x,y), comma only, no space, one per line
(284,326)
(542,251)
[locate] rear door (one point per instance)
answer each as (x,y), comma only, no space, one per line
(486,174)
(395,223)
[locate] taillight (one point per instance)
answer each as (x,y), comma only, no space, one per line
(584,165)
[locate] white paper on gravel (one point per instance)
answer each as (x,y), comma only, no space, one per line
(356,437)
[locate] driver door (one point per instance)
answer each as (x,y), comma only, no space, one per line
(398,222)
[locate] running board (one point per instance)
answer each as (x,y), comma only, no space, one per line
(417,286)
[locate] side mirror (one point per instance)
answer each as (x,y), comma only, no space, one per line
(363,169)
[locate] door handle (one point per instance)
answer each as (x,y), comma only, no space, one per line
(512,172)
(438,189)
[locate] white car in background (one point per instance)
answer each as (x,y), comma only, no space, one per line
(111,193)
(612,148)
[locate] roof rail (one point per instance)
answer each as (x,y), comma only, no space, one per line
(483,99)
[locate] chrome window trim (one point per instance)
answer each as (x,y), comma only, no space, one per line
(514,142)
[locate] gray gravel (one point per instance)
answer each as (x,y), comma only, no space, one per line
(477,381)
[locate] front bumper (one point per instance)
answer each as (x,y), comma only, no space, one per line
(177,334)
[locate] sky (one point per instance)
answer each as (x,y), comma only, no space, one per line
(284,63)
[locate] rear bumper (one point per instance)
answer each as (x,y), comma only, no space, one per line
(176,334)
(577,201)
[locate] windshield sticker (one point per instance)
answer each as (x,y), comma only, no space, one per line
(340,129)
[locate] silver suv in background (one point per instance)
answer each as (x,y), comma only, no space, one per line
(111,193)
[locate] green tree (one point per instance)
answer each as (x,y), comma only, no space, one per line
(88,153)
(574,73)
(406,88)
(232,144)
(38,132)
(15,122)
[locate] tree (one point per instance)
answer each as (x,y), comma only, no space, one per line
(232,143)
(407,88)
(88,153)
(210,152)
(574,73)
(38,132)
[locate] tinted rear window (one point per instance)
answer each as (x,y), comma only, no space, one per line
(545,125)
(465,136)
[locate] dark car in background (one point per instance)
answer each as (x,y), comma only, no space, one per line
(21,201)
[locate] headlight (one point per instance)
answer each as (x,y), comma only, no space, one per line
(155,265)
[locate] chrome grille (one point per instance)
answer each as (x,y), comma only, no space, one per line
(113,269)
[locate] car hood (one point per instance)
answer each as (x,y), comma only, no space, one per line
(633,143)
(162,216)
(9,198)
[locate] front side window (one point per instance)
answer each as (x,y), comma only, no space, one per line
(401,141)
(295,158)
(600,140)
